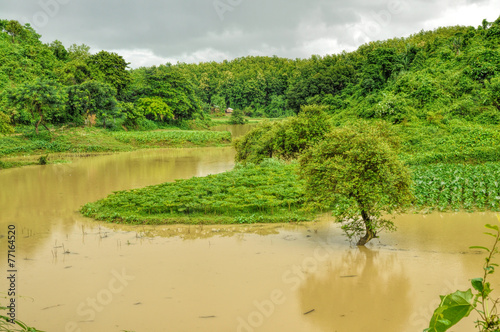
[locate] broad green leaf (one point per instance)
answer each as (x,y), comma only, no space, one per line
(479,247)
(495,227)
(477,283)
(487,289)
(452,309)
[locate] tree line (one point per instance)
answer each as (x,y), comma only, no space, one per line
(440,75)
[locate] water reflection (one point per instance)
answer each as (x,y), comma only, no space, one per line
(361,290)
(195,232)
(39,199)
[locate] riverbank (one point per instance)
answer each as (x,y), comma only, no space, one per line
(27,148)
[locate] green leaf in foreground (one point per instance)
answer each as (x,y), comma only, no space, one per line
(477,283)
(479,247)
(452,309)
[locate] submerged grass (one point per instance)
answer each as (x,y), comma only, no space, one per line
(270,192)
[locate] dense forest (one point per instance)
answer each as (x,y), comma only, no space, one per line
(434,76)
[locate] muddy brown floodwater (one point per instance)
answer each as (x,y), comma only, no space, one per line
(77,274)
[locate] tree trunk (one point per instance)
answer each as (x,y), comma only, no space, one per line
(370,234)
(39,109)
(41,121)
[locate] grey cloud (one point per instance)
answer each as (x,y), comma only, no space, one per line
(177,29)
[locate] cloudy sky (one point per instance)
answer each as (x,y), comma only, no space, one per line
(152,32)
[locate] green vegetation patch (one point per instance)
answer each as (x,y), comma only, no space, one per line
(273,192)
(457,186)
(456,142)
(267,193)
(97,140)
(174,138)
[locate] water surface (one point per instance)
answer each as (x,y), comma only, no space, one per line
(77,274)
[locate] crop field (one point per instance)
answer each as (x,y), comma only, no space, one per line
(456,186)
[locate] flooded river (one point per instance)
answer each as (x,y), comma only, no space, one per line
(76,274)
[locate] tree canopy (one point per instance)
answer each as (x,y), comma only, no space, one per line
(356,172)
(42,98)
(436,76)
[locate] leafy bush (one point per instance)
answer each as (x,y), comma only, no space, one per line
(238,117)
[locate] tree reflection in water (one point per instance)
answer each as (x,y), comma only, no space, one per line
(362,290)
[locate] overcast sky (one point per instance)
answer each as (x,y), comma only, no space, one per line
(153,32)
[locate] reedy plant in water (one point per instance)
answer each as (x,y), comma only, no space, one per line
(17,326)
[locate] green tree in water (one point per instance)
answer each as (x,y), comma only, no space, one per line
(356,173)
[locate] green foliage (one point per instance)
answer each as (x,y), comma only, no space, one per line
(256,145)
(455,142)
(133,116)
(171,85)
(17,326)
(5,126)
(294,135)
(285,139)
(435,76)
(79,52)
(109,68)
(454,307)
(43,160)
(356,173)
(59,50)
(455,187)
(44,99)
(218,103)
(270,192)
(155,109)
(91,98)
(93,140)
(173,138)
(451,310)
(144,124)
(238,117)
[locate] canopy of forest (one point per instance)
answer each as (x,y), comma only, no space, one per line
(440,75)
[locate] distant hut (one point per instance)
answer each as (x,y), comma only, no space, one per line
(229,111)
